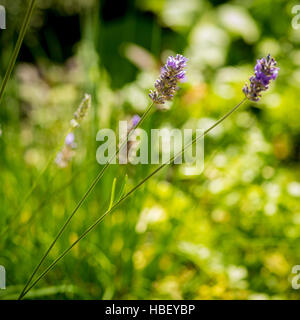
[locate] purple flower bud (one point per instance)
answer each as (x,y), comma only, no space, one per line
(265,70)
(171,73)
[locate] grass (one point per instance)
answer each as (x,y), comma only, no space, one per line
(28,287)
(17,47)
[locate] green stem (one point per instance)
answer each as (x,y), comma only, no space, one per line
(19,226)
(24,292)
(79,204)
(17,47)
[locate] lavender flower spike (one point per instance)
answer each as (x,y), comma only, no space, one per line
(171,73)
(264,71)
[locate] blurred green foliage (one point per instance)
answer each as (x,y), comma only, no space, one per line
(231,232)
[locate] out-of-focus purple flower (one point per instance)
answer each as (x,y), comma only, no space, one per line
(135,120)
(265,70)
(67,153)
(64,157)
(70,139)
(171,73)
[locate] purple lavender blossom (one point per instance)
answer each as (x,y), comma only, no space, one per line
(135,120)
(171,73)
(265,71)
(67,153)
(70,139)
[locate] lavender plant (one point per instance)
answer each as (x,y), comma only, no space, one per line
(265,71)
(166,86)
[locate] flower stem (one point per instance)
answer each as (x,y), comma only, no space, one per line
(100,219)
(17,47)
(79,204)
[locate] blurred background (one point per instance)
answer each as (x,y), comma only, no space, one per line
(231,232)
